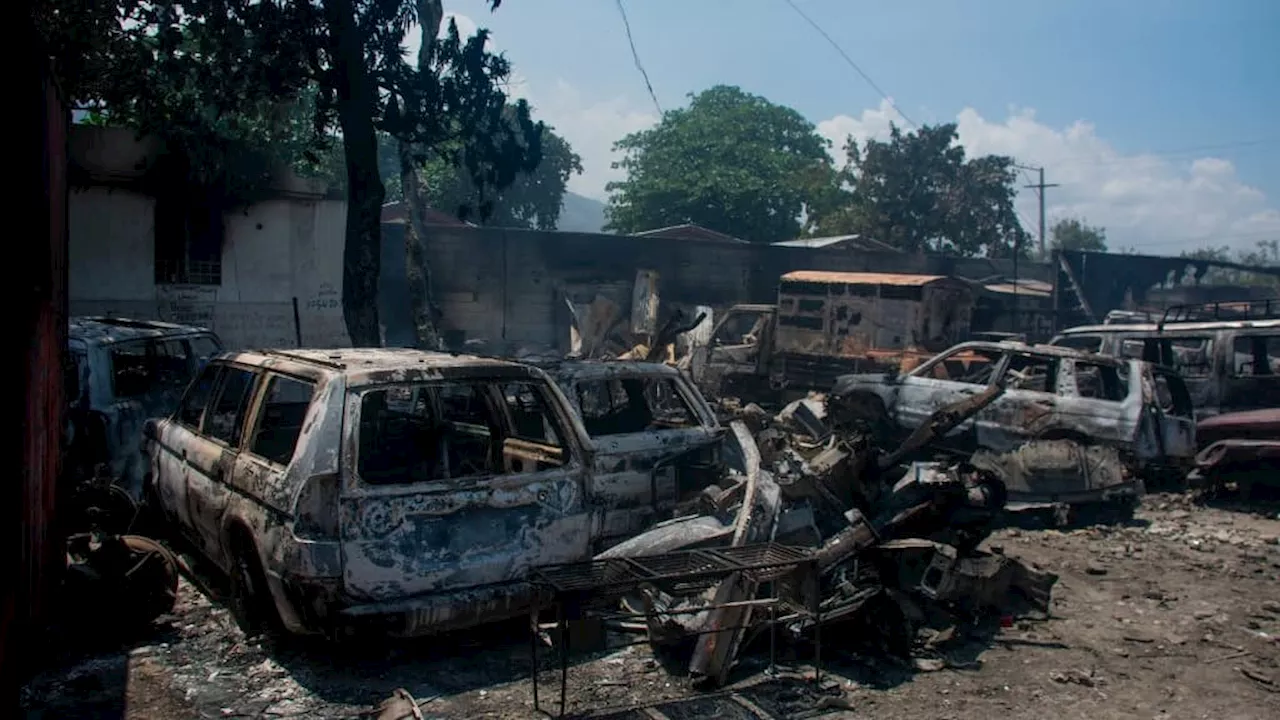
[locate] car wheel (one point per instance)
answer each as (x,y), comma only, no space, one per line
(251,601)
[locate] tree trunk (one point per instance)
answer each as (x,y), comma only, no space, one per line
(426,314)
(361,258)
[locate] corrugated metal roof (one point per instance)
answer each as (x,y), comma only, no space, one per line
(689,231)
(859,278)
(1019,289)
(818,243)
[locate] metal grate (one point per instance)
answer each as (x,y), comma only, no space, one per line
(1267,309)
(175,271)
(677,572)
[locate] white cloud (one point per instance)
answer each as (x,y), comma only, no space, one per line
(591,127)
(1155,204)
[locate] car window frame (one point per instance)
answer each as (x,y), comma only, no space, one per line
(492,389)
(1051,374)
(1122,380)
(258,401)
(251,403)
(148,354)
(1253,338)
(1000,362)
(690,408)
(198,429)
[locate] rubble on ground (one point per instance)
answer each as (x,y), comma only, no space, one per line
(891,537)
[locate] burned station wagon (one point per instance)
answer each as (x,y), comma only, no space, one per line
(405,490)
(1049,393)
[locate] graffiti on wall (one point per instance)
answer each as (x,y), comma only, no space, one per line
(187,304)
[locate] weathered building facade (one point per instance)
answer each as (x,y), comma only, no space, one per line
(269,274)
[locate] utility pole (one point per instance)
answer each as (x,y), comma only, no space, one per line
(1039,188)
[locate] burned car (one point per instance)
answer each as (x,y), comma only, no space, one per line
(119,373)
(1241,448)
(650,430)
(1140,411)
(1228,365)
(394,490)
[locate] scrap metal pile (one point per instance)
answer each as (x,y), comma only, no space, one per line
(895,540)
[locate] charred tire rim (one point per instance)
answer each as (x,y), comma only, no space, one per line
(161,568)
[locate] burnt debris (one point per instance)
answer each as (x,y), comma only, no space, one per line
(880,529)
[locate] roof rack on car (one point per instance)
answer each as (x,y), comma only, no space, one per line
(128,322)
(1267,309)
(335,364)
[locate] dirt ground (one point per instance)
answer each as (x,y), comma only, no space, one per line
(1176,615)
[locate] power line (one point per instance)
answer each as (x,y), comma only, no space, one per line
(1169,153)
(852,64)
(636,56)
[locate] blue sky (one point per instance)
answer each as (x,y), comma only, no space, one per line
(1161,118)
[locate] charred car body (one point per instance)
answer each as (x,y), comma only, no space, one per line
(1240,447)
(650,431)
(121,372)
(405,490)
(1071,400)
(1228,365)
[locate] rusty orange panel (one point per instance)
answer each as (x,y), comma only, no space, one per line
(859,278)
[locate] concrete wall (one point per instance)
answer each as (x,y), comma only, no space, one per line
(272,252)
(509,286)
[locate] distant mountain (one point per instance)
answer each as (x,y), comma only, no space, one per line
(581,214)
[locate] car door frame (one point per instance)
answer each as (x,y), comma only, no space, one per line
(169,457)
(210,464)
(1234,385)
(263,481)
(1097,418)
(1176,432)
(463,533)
(634,475)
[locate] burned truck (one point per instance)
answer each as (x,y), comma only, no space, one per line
(828,324)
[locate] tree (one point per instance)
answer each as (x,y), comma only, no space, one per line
(1074,234)
(730,161)
(533,201)
(210,70)
(918,192)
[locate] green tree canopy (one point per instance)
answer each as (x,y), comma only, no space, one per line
(919,192)
(201,72)
(532,201)
(1074,234)
(730,161)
